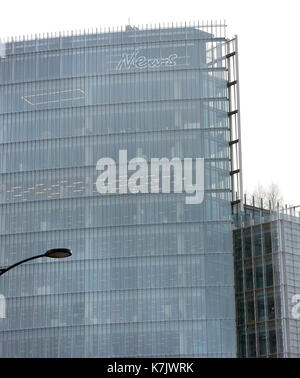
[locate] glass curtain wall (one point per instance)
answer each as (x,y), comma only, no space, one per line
(266,247)
(150,275)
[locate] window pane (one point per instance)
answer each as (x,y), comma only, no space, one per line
(259,276)
(247,243)
(269,274)
(257,241)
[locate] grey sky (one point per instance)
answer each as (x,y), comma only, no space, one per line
(269,64)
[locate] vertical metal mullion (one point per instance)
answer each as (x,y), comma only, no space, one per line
(254,286)
(274,289)
(283,289)
(244,288)
(266,321)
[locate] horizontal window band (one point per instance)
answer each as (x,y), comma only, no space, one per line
(160,101)
(55,139)
(112,73)
(139,259)
(120,44)
(133,225)
(86,197)
(130,324)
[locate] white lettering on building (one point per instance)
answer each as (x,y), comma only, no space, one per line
(138,182)
(134,60)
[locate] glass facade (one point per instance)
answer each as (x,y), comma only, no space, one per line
(150,275)
(267,256)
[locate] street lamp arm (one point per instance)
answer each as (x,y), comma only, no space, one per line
(4,270)
(55,253)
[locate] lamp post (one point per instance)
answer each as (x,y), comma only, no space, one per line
(56,253)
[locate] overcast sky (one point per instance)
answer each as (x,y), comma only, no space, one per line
(269,55)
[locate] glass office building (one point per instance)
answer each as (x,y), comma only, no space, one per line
(267,260)
(150,275)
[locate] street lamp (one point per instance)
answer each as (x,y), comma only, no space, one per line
(56,253)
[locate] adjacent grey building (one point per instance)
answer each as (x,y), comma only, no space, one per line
(267,274)
(150,275)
